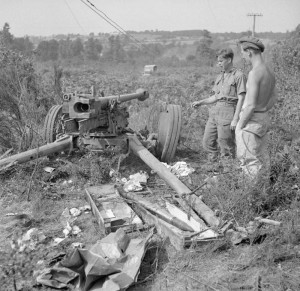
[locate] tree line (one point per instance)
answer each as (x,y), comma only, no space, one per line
(52,50)
(120,48)
(117,48)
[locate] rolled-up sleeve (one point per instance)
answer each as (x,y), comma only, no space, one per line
(241,82)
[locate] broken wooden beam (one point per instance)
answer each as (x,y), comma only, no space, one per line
(96,212)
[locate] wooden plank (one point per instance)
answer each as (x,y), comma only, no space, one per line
(96,212)
(122,212)
(178,238)
(106,219)
(102,191)
(104,198)
(186,207)
(164,229)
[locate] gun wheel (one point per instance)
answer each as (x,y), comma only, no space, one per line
(169,126)
(53,123)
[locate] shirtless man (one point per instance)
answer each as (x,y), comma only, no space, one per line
(254,122)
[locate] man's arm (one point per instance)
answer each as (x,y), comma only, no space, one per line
(241,98)
(207,101)
(252,94)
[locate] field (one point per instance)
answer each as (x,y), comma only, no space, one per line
(268,260)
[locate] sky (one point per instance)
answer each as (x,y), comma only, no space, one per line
(49,17)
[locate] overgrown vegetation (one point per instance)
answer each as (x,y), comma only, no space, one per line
(30,84)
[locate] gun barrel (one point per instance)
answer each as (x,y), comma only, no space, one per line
(140,94)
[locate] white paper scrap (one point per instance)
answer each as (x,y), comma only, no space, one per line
(109,213)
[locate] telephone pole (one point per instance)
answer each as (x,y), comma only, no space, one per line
(254,16)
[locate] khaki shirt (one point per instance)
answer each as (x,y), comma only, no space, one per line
(230,85)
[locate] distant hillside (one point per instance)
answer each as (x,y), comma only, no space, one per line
(187,45)
(165,37)
(199,33)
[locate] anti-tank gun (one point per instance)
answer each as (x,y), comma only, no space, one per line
(100,123)
(96,122)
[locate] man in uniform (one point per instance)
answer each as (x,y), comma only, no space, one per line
(229,92)
(251,130)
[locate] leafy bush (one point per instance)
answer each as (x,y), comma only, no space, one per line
(286,63)
(18,96)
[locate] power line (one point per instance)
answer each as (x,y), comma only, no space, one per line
(213,14)
(74,16)
(105,15)
(102,17)
(115,25)
(254,16)
(123,30)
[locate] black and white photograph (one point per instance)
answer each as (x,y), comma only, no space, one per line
(149,145)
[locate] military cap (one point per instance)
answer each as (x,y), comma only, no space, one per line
(251,42)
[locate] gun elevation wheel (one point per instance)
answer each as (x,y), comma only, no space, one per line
(53,123)
(169,126)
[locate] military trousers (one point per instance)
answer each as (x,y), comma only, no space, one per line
(218,137)
(252,146)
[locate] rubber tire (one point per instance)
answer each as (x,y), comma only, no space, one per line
(51,123)
(169,128)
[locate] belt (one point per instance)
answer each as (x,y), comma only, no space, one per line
(260,111)
(226,99)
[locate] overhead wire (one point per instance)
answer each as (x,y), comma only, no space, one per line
(75,18)
(213,14)
(123,30)
(102,16)
(115,25)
